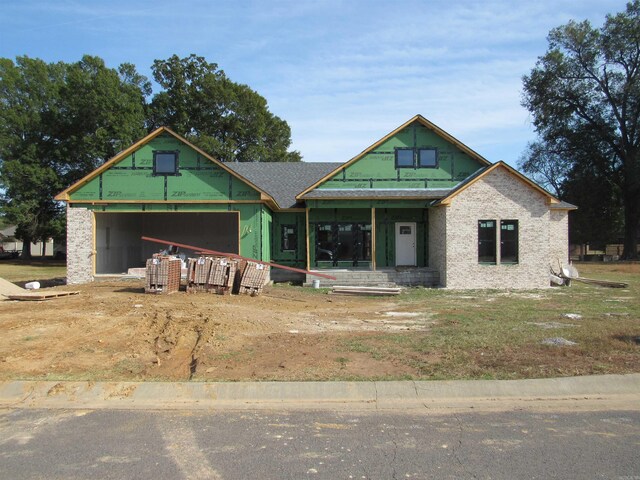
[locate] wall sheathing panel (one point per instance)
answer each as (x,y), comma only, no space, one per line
(377,168)
(296,255)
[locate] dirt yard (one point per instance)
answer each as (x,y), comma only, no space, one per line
(113,331)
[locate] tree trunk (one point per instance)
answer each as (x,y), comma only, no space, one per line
(631,227)
(26,249)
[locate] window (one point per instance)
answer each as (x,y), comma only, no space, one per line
(404,158)
(343,242)
(165,163)
(427,158)
(289,238)
(487,241)
(508,241)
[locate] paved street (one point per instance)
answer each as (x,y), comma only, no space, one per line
(197,444)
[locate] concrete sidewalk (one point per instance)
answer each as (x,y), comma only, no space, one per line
(589,392)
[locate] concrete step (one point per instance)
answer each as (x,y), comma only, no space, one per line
(381,278)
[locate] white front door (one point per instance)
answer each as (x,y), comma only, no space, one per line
(406,244)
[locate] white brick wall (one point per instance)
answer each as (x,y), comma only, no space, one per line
(497,196)
(80,252)
(559,239)
(437,243)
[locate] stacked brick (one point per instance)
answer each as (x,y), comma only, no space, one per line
(213,275)
(253,277)
(162,274)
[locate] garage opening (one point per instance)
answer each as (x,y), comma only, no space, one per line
(119,247)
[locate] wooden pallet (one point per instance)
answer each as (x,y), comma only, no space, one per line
(40,296)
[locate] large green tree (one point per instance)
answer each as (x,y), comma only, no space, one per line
(226,119)
(59,121)
(584,96)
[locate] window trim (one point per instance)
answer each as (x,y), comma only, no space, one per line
(176,170)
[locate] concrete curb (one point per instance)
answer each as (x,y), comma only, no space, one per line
(603,390)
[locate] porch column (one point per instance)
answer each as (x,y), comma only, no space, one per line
(306,212)
(373,239)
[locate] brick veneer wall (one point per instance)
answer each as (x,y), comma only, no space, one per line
(437,242)
(498,196)
(559,239)
(79,245)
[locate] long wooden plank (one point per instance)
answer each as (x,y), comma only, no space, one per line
(234,255)
(38,297)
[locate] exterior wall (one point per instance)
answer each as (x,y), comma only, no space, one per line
(79,245)
(497,196)
(438,241)
(297,256)
(377,169)
(559,238)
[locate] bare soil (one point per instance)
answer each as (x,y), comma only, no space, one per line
(113,331)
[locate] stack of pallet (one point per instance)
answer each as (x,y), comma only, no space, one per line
(162,274)
(253,278)
(211,274)
(222,275)
(198,270)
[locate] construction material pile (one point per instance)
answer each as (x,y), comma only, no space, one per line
(253,277)
(211,275)
(162,274)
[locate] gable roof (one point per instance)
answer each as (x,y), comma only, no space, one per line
(483,172)
(417,118)
(283,181)
(65,194)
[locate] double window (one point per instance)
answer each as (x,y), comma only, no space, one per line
(165,162)
(416,158)
(489,237)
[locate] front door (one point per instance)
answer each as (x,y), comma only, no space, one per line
(406,244)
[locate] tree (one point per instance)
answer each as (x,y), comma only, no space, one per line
(58,122)
(226,119)
(584,96)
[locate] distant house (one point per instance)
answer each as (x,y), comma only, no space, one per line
(418,201)
(11,244)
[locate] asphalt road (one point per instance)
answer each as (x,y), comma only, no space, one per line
(196,444)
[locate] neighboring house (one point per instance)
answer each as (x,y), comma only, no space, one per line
(416,200)
(11,244)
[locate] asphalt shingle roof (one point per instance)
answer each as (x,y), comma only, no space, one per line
(283,181)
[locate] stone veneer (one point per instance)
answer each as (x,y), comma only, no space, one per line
(499,195)
(559,239)
(80,251)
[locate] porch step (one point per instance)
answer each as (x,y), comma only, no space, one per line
(380,278)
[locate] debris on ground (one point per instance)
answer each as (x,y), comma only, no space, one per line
(569,273)
(345,290)
(552,325)
(572,316)
(558,342)
(11,291)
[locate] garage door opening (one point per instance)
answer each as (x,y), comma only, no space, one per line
(119,246)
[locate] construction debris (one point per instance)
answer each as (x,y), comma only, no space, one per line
(163,274)
(569,273)
(40,296)
(343,290)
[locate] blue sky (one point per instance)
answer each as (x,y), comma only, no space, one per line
(341,73)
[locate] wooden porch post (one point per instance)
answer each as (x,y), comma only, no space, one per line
(306,211)
(373,239)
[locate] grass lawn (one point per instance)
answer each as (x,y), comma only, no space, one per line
(43,270)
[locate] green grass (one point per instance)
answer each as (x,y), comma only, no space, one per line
(18,271)
(493,334)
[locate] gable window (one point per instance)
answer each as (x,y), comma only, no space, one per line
(289,238)
(427,158)
(404,158)
(165,162)
(509,241)
(416,157)
(487,241)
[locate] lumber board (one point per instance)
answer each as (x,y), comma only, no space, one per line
(40,296)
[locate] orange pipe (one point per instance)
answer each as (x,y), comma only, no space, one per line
(234,255)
